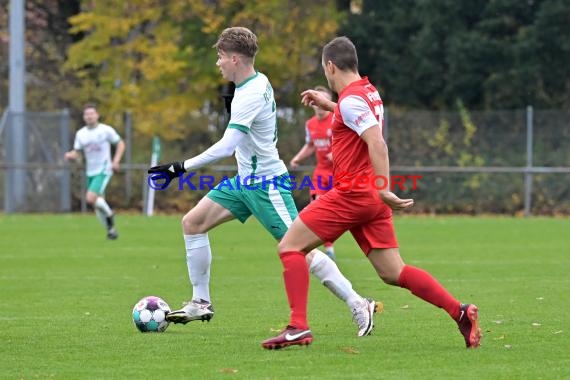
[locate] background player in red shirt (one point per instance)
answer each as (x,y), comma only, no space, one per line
(360,153)
(318,141)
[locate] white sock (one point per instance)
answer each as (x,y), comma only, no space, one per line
(101,216)
(328,273)
(102,205)
(198,260)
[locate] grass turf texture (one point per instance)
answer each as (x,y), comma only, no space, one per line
(67,295)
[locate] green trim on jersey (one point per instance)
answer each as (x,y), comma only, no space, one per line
(253,167)
(247,80)
(239,127)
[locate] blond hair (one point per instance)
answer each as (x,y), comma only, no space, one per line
(237,39)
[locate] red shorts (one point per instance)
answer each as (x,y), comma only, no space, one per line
(367,218)
(322,183)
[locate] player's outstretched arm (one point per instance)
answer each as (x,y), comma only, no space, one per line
(317,98)
(223,148)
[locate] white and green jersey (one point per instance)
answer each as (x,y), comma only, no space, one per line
(96,146)
(253,112)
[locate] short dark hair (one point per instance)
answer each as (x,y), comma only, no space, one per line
(89,105)
(239,40)
(342,53)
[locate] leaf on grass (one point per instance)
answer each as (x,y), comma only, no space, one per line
(558,332)
(536,324)
(405,307)
(350,350)
(499,338)
(498,322)
(539,298)
(508,346)
(87,313)
(228,370)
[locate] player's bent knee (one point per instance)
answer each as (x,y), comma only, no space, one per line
(287,247)
(91,198)
(281,247)
(191,226)
(390,277)
(390,280)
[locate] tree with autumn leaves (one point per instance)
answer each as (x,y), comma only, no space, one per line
(48,85)
(155,58)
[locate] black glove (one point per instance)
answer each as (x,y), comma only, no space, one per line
(167,172)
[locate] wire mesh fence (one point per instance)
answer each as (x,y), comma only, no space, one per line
(470,162)
(37,180)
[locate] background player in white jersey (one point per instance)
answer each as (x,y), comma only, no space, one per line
(95,140)
(252,135)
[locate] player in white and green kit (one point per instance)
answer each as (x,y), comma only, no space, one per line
(254,116)
(95,140)
(252,135)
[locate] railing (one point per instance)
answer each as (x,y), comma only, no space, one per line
(488,161)
(141,169)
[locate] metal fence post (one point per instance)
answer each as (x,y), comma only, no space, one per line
(144,195)
(528,171)
(128,157)
(65,193)
(7,170)
(16,157)
(17,138)
(83,191)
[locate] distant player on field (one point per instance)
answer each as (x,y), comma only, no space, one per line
(252,135)
(360,154)
(318,141)
(95,140)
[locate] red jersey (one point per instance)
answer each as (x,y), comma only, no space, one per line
(318,132)
(359,107)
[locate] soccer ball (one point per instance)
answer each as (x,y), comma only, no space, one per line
(149,314)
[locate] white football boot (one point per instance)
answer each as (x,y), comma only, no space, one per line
(363,315)
(195,310)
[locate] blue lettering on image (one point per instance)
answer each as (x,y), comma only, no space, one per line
(306,182)
(182,180)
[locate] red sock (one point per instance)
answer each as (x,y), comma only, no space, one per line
(424,286)
(296,277)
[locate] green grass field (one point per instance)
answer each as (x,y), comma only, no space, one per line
(67,295)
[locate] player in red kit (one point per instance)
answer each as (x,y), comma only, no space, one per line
(360,153)
(318,141)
